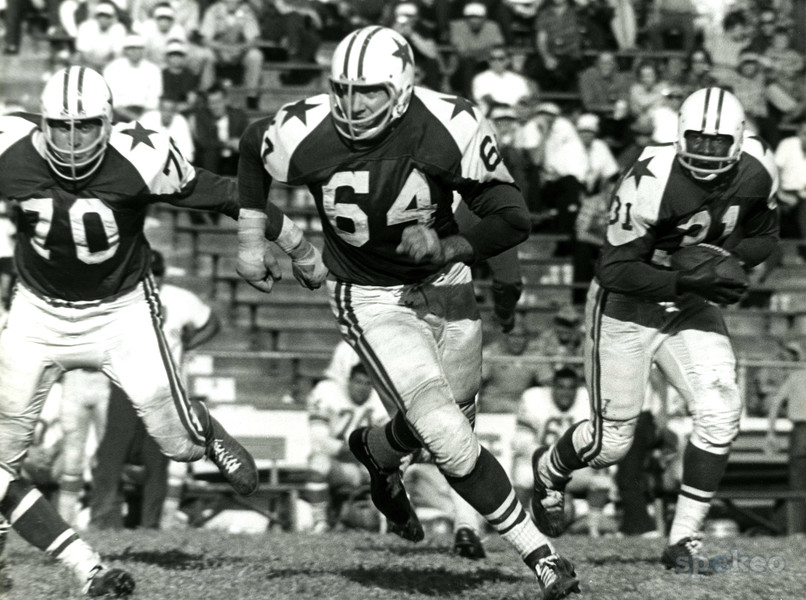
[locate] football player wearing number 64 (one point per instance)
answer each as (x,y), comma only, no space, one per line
(385,162)
(686,222)
(86,297)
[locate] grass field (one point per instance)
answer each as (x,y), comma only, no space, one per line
(211,565)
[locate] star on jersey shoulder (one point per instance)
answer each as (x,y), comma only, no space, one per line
(298,110)
(641,169)
(460,105)
(140,135)
(403,52)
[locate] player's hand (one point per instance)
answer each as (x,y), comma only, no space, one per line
(422,244)
(704,281)
(258,267)
(307,265)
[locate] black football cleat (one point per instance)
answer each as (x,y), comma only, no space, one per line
(387,491)
(467,544)
(686,557)
(557,577)
(232,459)
(548,504)
(111,583)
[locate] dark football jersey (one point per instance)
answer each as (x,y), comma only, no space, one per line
(658,207)
(88,243)
(366,197)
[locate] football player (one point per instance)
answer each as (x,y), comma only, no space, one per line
(383,160)
(716,185)
(85,297)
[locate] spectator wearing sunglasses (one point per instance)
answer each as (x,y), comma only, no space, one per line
(499,84)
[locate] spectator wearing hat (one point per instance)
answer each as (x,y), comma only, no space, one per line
(217,127)
(473,37)
(179,82)
(559,46)
(231,29)
(554,148)
(601,172)
(499,84)
(506,121)
(563,339)
(99,40)
(136,83)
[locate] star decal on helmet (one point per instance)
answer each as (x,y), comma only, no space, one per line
(298,110)
(641,169)
(403,52)
(140,135)
(460,105)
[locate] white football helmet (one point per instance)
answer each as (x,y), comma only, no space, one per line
(711,112)
(71,96)
(370,56)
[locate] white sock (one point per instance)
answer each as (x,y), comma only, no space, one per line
(689,516)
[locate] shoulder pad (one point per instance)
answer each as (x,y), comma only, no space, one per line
(460,116)
(644,182)
(154,156)
(292,124)
(13,129)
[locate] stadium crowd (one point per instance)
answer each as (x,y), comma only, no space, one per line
(559,81)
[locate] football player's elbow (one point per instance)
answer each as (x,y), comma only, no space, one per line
(520,222)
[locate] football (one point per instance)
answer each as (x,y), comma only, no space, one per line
(727,265)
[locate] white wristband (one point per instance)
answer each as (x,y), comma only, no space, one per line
(290,236)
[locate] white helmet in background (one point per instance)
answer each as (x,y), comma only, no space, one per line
(710,112)
(73,97)
(371,56)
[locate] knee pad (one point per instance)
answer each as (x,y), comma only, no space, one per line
(714,430)
(445,432)
(616,439)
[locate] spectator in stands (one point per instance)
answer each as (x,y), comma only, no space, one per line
(167,118)
(641,130)
(595,17)
(562,339)
(671,25)
(605,91)
(675,69)
(499,84)
(158,30)
(187,323)
(100,39)
(663,115)
(506,121)
(748,83)
(698,70)
(136,83)
(475,39)
(435,19)
(294,29)
(179,82)
(15,12)
(792,392)
(82,410)
(790,158)
(405,21)
(647,90)
(507,370)
(217,127)
(725,44)
(624,24)
(554,148)
(543,413)
(335,410)
(559,46)
(601,172)
(231,29)
(761,39)
(784,64)
(519,22)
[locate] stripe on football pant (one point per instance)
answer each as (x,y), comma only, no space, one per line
(183,408)
(351,328)
(591,451)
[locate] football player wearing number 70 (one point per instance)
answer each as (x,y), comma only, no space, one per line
(714,187)
(384,161)
(86,297)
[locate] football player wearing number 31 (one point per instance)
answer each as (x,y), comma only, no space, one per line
(86,298)
(715,186)
(383,161)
